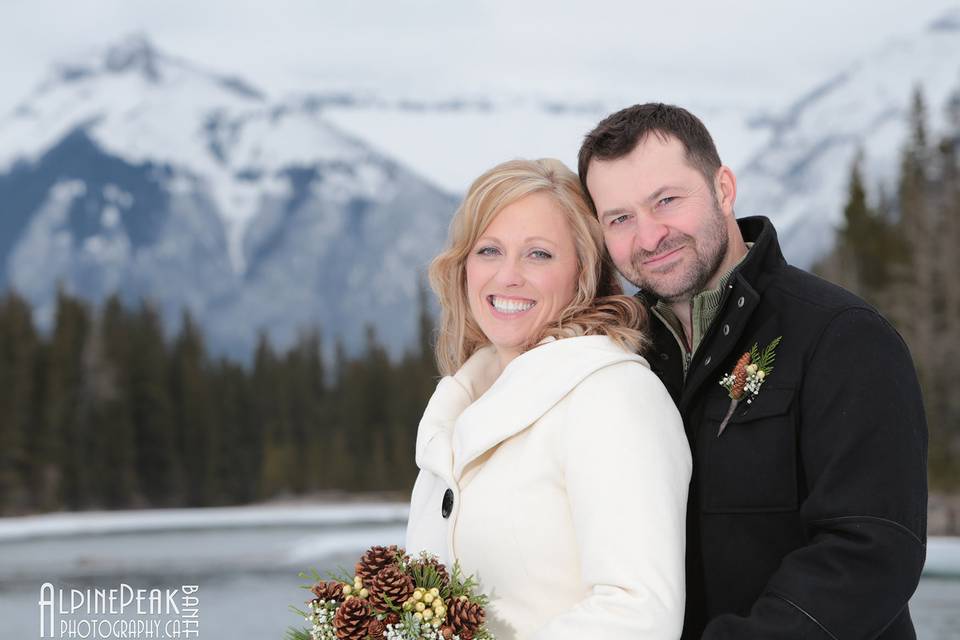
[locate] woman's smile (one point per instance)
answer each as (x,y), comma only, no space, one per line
(510,306)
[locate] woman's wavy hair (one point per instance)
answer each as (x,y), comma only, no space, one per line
(598,306)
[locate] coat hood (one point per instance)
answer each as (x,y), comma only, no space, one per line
(465,418)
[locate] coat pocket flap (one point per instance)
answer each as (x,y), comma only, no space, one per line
(769,402)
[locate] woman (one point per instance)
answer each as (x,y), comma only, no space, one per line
(553,463)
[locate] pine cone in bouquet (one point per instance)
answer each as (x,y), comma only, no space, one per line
(376,629)
(390,584)
(328,591)
(352,619)
(375,559)
(465,617)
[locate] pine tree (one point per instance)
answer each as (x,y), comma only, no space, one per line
(310,428)
(198,441)
(338,469)
(272,413)
(61,450)
(18,361)
(918,224)
(149,399)
(241,451)
(112,437)
(902,256)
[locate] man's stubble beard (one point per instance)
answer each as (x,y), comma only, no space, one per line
(709,257)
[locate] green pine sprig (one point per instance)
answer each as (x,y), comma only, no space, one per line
(340,575)
(425,575)
(461,586)
(297,634)
(764,360)
(298,611)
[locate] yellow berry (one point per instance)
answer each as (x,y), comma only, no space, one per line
(408,606)
(428,598)
(427,614)
(418,595)
(419,606)
(347,589)
(418,615)
(364,593)
(435,591)
(436,622)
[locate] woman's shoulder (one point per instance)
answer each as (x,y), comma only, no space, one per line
(632,376)
(625,406)
(598,348)
(623,385)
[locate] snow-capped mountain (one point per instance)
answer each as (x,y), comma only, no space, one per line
(132,170)
(792,163)
(800,176)
(137,172)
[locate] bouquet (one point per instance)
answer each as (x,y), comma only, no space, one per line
(392,596)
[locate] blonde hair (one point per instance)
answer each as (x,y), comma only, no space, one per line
(598,306)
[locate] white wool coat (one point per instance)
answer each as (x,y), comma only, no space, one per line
(569,475)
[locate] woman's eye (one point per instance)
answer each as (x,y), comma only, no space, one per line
(487,251)
(540,254)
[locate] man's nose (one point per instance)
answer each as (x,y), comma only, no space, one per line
(649,233)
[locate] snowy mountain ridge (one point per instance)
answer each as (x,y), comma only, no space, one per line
(134,171)
(800,176)
(138,173)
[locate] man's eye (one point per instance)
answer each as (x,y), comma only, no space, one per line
(665,201)
(619,220)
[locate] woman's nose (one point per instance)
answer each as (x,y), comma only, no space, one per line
(510,273)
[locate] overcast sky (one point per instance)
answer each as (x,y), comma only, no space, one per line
(764,52)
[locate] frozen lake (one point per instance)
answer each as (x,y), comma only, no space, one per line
(245,562)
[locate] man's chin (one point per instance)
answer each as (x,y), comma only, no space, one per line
(667,295)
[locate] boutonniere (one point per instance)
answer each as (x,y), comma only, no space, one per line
(747,377)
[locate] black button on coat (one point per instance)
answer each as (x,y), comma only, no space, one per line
(447,507)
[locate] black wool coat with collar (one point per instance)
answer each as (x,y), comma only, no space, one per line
(807,516)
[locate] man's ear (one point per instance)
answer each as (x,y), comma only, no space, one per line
(725,186)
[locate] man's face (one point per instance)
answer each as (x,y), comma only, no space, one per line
(662,224)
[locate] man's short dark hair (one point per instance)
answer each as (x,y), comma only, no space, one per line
(618,134)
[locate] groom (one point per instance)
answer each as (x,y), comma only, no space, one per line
(807,512)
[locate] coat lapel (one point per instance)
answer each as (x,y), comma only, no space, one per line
(724,334)
(434,452)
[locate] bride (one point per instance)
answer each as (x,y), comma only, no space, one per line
(553,463)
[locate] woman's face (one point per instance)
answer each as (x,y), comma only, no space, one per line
(521,273)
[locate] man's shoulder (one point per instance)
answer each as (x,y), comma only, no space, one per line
(811,305)
(801,290)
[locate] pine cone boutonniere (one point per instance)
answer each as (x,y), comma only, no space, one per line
(752,368)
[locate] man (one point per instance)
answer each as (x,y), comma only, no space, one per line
(807,512)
